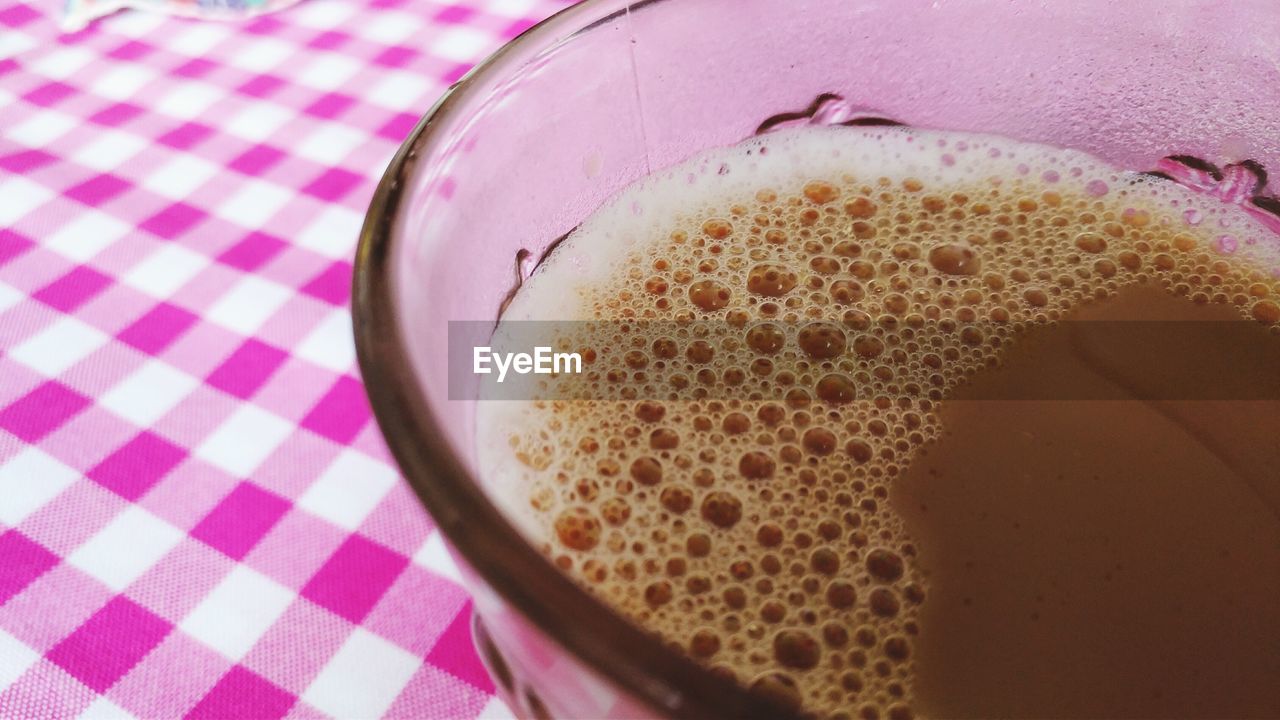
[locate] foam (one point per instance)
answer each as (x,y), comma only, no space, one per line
(644,212)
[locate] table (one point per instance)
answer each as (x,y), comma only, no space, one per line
(198,517)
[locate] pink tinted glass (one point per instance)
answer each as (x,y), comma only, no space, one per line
(606,92)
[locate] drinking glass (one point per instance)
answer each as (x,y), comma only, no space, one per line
(534,139)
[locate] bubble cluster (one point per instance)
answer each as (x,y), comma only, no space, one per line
(726,487)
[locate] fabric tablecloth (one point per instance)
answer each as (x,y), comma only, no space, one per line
(198,517)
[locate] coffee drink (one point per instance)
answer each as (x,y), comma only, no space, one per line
(887,423)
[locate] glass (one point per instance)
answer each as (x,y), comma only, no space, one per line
(528,144)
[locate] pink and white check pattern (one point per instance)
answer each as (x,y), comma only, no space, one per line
(197,515)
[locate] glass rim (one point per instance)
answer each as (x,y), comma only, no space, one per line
(634,660)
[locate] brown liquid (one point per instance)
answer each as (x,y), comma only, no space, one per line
(796,474)
(1101,558)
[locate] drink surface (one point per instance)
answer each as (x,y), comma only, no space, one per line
(851,435)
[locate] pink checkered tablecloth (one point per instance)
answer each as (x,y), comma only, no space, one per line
(198,517)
